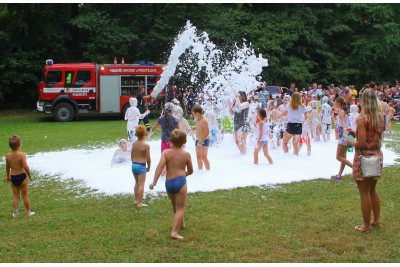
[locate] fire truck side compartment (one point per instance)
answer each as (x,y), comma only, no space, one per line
(109,93)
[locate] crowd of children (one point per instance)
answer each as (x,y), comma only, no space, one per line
(272,124)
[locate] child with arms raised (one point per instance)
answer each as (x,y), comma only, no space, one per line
(140,155)
(178,163)
(17,170)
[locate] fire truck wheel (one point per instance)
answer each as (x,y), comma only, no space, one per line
(63,112)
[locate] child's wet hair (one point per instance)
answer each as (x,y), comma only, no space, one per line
(123,140)
(262,113)
(197,109)
(243,95)
(177,138)
(141,131)
(14,141)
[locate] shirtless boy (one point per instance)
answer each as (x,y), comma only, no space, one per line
(202,141)
(140,155)
(17,170)
(179,165)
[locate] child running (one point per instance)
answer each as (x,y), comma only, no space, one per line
(140,155)
(261,133)
(179,165)
(202,141)
(17,169)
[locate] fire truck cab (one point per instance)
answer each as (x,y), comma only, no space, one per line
(69,89)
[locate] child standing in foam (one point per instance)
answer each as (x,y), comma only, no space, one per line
(326,119)
(315,122)
(282,118)
(17,170)
(140,156)
(183,123)
(212,125)
(168,123)
(261,133)
(272,119)
(133,116)
(240,111)
(178,163)
(353,117)
(202,137)
(295,111)
(305,137)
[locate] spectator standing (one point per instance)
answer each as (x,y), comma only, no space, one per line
(369,137)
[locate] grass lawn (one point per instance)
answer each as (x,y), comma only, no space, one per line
(310,221)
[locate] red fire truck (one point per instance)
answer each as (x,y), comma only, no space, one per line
(73,88)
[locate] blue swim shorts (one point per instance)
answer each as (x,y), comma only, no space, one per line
(174,185)
(205,143)
(138,168)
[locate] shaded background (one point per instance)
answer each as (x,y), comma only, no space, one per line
(304,43)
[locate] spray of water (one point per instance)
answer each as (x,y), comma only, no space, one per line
(223,73)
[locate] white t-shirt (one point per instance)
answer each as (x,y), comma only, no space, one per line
(295,116)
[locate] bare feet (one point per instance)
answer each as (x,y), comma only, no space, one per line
(376,224)
(176,236)
(362,228)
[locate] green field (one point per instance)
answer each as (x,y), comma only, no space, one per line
(310,221)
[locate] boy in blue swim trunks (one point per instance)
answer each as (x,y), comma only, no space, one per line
(178,163)
(140,154)
(202,141)
(17,170)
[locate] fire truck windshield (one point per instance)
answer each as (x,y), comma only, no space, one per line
(53,77)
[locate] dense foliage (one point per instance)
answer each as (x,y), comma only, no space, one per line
(304,43)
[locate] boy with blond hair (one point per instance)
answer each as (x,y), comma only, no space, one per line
(202,141)
(140,154)
(178,163)
(17,170)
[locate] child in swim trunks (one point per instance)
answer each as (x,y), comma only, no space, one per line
(140,155)
(17,170)
(179,165)
(202,140)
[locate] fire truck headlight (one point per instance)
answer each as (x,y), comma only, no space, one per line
(101,68)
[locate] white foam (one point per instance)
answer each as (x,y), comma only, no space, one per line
(227,71)
(229,169)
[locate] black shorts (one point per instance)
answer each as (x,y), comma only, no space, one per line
(294,128)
